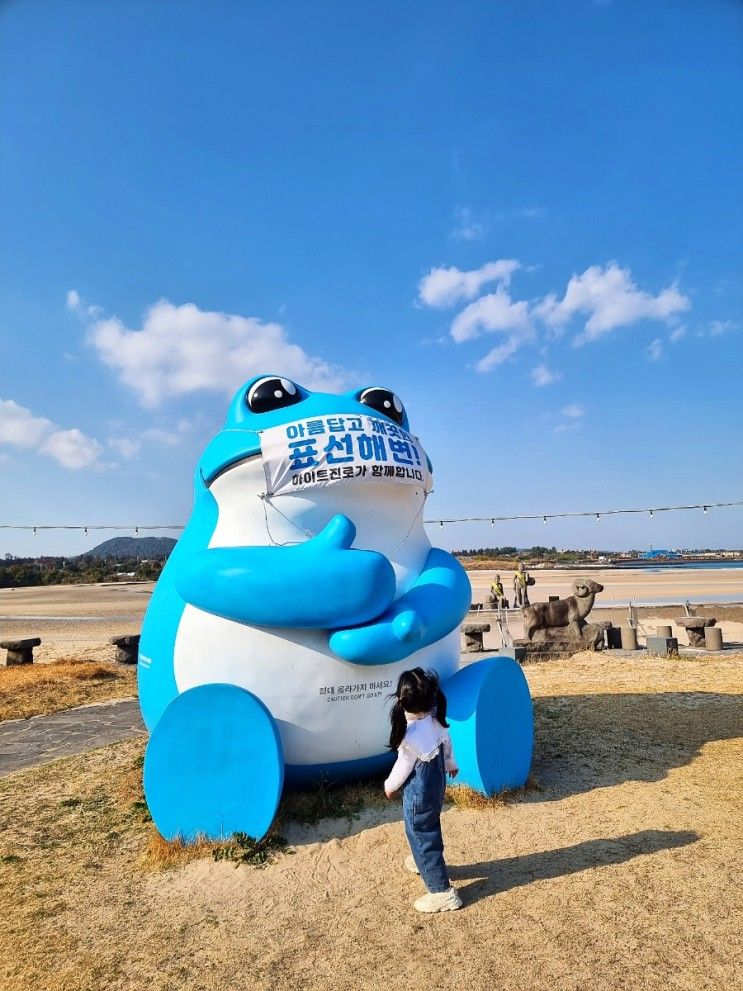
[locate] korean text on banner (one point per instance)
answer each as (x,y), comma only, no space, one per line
(325,450)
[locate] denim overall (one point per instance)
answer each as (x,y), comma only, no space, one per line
(422,798)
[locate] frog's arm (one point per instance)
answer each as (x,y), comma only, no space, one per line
(434,606)
(320,584)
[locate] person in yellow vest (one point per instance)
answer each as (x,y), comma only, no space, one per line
(497,595)
(521,583)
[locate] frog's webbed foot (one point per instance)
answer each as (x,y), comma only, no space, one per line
(489,711)
(214,765)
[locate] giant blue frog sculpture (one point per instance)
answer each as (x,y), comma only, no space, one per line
(284,616)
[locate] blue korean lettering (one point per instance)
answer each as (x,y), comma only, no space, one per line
(340,444)
(303,454)
(403,452)
(371,448)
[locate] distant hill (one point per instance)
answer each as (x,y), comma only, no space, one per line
(149,548)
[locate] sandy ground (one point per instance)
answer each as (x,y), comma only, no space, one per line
(621,872)
(622,585)
(73,620)
(78,620)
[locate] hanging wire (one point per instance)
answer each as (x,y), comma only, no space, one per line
(544,517)
(592,512)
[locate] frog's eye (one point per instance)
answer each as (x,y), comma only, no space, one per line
(269,394)
(385,402)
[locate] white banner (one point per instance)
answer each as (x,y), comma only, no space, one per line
(324,450)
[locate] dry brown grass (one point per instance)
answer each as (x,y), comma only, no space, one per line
(620,870)
(464,797)
(34,689)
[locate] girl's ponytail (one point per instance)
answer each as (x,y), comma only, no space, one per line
(399,725)
(441,707)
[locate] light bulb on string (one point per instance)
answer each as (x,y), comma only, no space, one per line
(441,524)
(544,520)
(705,510)
(598,517)
(136,531)
(86,531)
(492,522)
(651,514)
(34,531)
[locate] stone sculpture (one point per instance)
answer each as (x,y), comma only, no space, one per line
(497,598)
(565,619)
(521,582)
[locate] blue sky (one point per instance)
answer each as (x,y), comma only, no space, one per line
(522,217)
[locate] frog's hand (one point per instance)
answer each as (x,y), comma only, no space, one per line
(319,584)
(434,606)
(214,765)
(489,712)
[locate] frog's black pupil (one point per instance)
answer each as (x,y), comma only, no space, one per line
(271,394)
(383,401)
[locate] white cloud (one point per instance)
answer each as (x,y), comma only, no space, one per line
(573,414)
(610,299)
(497,355)
(467,228)
(719,327)
(73,300)
(183,349)
(128,447)
(654,350)
(493,312)
(677,334)
(541,375)
(70,448)
(19,427)
(443,287)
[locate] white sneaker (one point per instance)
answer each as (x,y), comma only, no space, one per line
(440,901)
(410,865)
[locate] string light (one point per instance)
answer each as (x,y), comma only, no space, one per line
(584,513)
(84,527)
(651,514)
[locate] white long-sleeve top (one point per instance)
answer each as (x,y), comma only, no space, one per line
(422,740)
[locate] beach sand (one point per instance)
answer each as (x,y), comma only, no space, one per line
(78,620)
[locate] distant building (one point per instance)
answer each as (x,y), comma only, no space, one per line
(660,552)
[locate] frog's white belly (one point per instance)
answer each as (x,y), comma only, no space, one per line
(327,710)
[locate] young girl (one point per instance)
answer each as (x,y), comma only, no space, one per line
(424,757)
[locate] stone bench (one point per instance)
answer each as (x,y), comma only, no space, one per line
(127,648)
(20,651)
(695,627)
(473,636)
